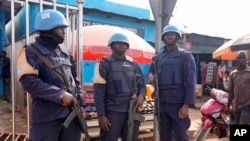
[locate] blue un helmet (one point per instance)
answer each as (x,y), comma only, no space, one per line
(170,28)
(49,19)
(118,37)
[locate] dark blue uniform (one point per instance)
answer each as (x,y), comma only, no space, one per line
(177,80)
(112,95)
(46,90)
(5,61)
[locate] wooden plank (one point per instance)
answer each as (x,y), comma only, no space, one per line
(146,126)
(94,122)
(148,117)
(88,87)
(146,135)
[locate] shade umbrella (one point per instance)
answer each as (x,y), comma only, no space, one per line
(95,43)
(241,43)
(224,52)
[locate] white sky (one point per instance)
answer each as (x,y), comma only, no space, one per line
(219,18)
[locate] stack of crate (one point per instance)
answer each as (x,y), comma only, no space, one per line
(209,73)
(203,73)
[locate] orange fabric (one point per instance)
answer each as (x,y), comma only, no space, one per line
(224,52)
(94,48)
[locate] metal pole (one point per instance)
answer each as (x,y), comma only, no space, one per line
(50,3)
(156,7)
(13,66)
(158,22)
(167,10)
(80,37)
(159,26)
(27,42)
(54,4)
(68,29)
(41,5)
(73,24)
(157,49)
(71,30)
(73,33)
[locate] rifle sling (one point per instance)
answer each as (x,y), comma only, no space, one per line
(127,79)
(46,61)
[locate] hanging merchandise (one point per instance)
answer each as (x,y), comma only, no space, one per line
(209,73)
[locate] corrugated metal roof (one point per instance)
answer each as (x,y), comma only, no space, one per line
(202,49)
(205,40)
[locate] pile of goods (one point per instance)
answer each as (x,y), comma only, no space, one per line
(90,105)
(146,108)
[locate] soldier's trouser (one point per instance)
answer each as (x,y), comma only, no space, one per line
(245,116)
(118,127)
(236,116)
(54,131)
(173,128)
(7,91)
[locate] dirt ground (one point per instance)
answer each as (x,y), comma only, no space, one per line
(6,119)
(21,119)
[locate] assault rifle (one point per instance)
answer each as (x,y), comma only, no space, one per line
(76,108)
(132,116)
(132,112)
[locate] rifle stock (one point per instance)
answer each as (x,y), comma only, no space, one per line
(68,120)
(132,116)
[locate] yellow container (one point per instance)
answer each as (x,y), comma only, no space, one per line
(150,90)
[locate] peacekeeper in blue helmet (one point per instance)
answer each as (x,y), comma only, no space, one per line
(176,75)
(112,94)
(51,103)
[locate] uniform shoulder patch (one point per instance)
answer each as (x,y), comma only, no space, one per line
(23,67)
(98,79)
(130,59)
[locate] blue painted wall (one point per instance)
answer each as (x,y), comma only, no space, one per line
(105,5)
(2,37)
(118,8)
(146,28)
(2,29)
